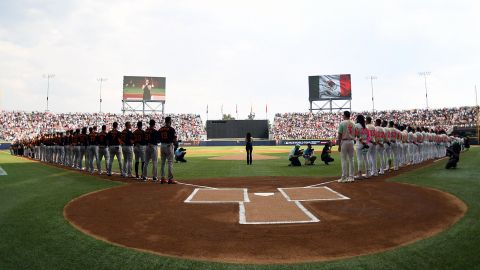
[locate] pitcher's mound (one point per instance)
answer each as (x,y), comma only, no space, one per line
(244,157)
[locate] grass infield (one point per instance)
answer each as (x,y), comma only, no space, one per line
(35,235)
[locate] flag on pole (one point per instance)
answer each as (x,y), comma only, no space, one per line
(236,108)
(222,109)
(266,108)
(207,108)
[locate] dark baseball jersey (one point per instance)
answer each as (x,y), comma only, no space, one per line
(139,136)
(113,137)
(83,140)
(92,138)
(151,136)
(75,139)
(102,139)
(167,134)
(127,137)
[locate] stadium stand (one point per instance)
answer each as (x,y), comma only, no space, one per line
(289,126)
(19,125)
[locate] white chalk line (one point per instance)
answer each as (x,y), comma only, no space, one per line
(324,183)
(246,199)
(340,196)
(440,159)
(245,196)
(193,185)
(2,172)
(343,197)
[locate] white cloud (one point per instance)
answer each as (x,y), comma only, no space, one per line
(237,52)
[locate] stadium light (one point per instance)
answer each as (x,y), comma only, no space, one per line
(371,78)
(101,80)
(476,97)
(425,74)
(48,77)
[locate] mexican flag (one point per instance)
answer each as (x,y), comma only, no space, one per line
(335,86)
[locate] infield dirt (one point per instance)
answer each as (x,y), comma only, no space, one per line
(151,217)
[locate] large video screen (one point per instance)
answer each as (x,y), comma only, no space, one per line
(326,87)
(143,88)
(223,129)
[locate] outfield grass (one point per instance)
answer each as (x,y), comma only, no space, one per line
(34,234)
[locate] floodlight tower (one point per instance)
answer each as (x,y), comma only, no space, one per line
(424,74)
(371,78)
(48,77)
(101,80)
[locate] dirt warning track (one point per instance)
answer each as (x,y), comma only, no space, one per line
(353,219)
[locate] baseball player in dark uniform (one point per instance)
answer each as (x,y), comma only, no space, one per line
(114,142)
(127,149)
(140,147)
(75,152)
(66,147)
(92,148)
(151,152)
(168,137)
(82,147)
(102,149)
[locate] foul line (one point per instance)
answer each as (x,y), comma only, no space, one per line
(321,184)
(440,159)
(2,172)
(193,185)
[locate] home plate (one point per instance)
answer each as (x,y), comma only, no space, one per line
(264,194)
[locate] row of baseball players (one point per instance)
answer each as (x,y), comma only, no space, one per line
(71,148)
(381,146)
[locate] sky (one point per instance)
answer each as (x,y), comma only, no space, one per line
(249,54)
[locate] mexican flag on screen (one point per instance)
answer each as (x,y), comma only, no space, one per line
(335,86)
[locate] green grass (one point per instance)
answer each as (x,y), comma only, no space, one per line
(34,234)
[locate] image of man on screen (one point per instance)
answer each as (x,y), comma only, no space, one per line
(147,88)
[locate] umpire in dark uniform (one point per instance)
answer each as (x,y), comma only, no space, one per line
(168,137)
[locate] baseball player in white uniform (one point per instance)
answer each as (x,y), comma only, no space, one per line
(346,134)
(380,136)
(372,150)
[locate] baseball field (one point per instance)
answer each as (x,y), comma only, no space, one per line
(226,215)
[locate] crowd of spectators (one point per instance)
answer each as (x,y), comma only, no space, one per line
(19,125)
(324,125)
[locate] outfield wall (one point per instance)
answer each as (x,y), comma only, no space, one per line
(237,143)
(4,146)
(304,142)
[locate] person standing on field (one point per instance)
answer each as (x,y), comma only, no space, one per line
(249,147)
(372,150)
(92,148)
(151,152)
(140,147)
(362,138)
(380,137)
(127,149)
(114,142)
(346,134)
(168,137)
(102,149)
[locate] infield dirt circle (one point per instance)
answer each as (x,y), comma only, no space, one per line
(372,216)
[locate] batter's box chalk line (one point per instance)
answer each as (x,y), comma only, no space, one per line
(339,195)
(197,190)
(242,209)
